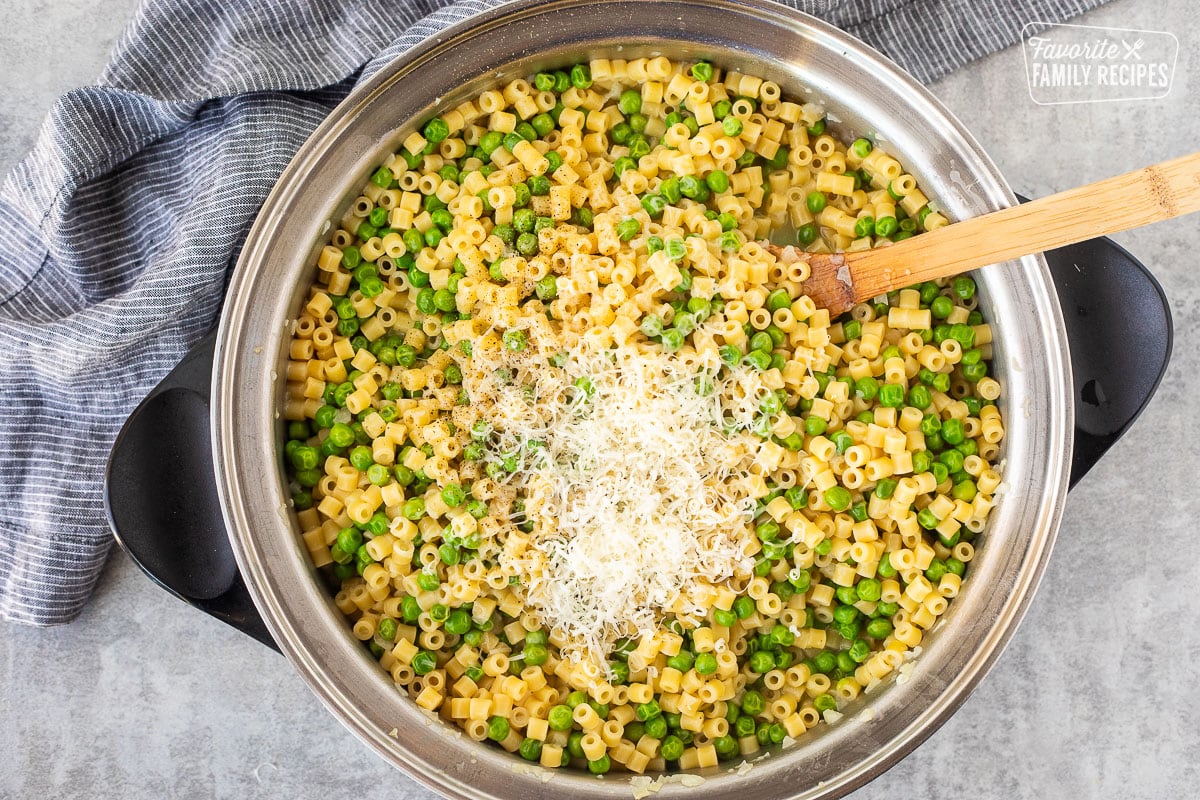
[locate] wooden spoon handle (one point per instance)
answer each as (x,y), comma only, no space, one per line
(1160,191)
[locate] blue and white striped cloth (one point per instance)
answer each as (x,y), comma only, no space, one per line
(118,231)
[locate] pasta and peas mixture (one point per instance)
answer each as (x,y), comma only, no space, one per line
(590,475)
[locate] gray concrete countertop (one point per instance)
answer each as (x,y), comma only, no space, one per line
(1097,695)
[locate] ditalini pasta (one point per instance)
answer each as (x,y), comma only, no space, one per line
(588,473)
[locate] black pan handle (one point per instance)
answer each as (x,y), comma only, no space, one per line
(161,497)
(161,494)
(1120,333)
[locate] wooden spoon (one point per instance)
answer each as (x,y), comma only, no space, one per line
(840,281)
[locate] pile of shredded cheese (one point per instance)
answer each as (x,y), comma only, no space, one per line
(637,472)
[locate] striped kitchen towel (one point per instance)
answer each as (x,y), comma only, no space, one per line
(118,231)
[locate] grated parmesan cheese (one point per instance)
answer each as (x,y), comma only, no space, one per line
(643,786)
(640,488)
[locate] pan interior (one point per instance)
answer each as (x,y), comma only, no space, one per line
(864,94)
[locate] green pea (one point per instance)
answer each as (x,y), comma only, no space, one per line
(404,475)
(361,458)
(413,509)
(382,177)
(601,765)
(387,629)
(936,570)
(436,130)
(975,372)
(527,244)
(824,702)
(630,102)
(891,395)
(449,554)
(653,204)
(919,397)
(672,340)
(425,662)
(879,628)
(861,148)
(535,654)
(753,703)
(762,342)
(458,623)
(717,181)
(349,540)
(727,747)
(580,216)
(655,728)
(341,434)
(963,334)
(304,457)
(767,530)
(770,405)
(379,475)
(410,609)
(638,146)
(581,76)
(869,589)
(693,188)
(341,557)
(965,491)
(885,226)
(530,749)
(497,729)
(778,299)
(628,228)
(453,495)
(649,710)
(780,636)
(941,307)
(574,746)
(670,190)
(724,617)
(702,71)
(797,497)
(744,607)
